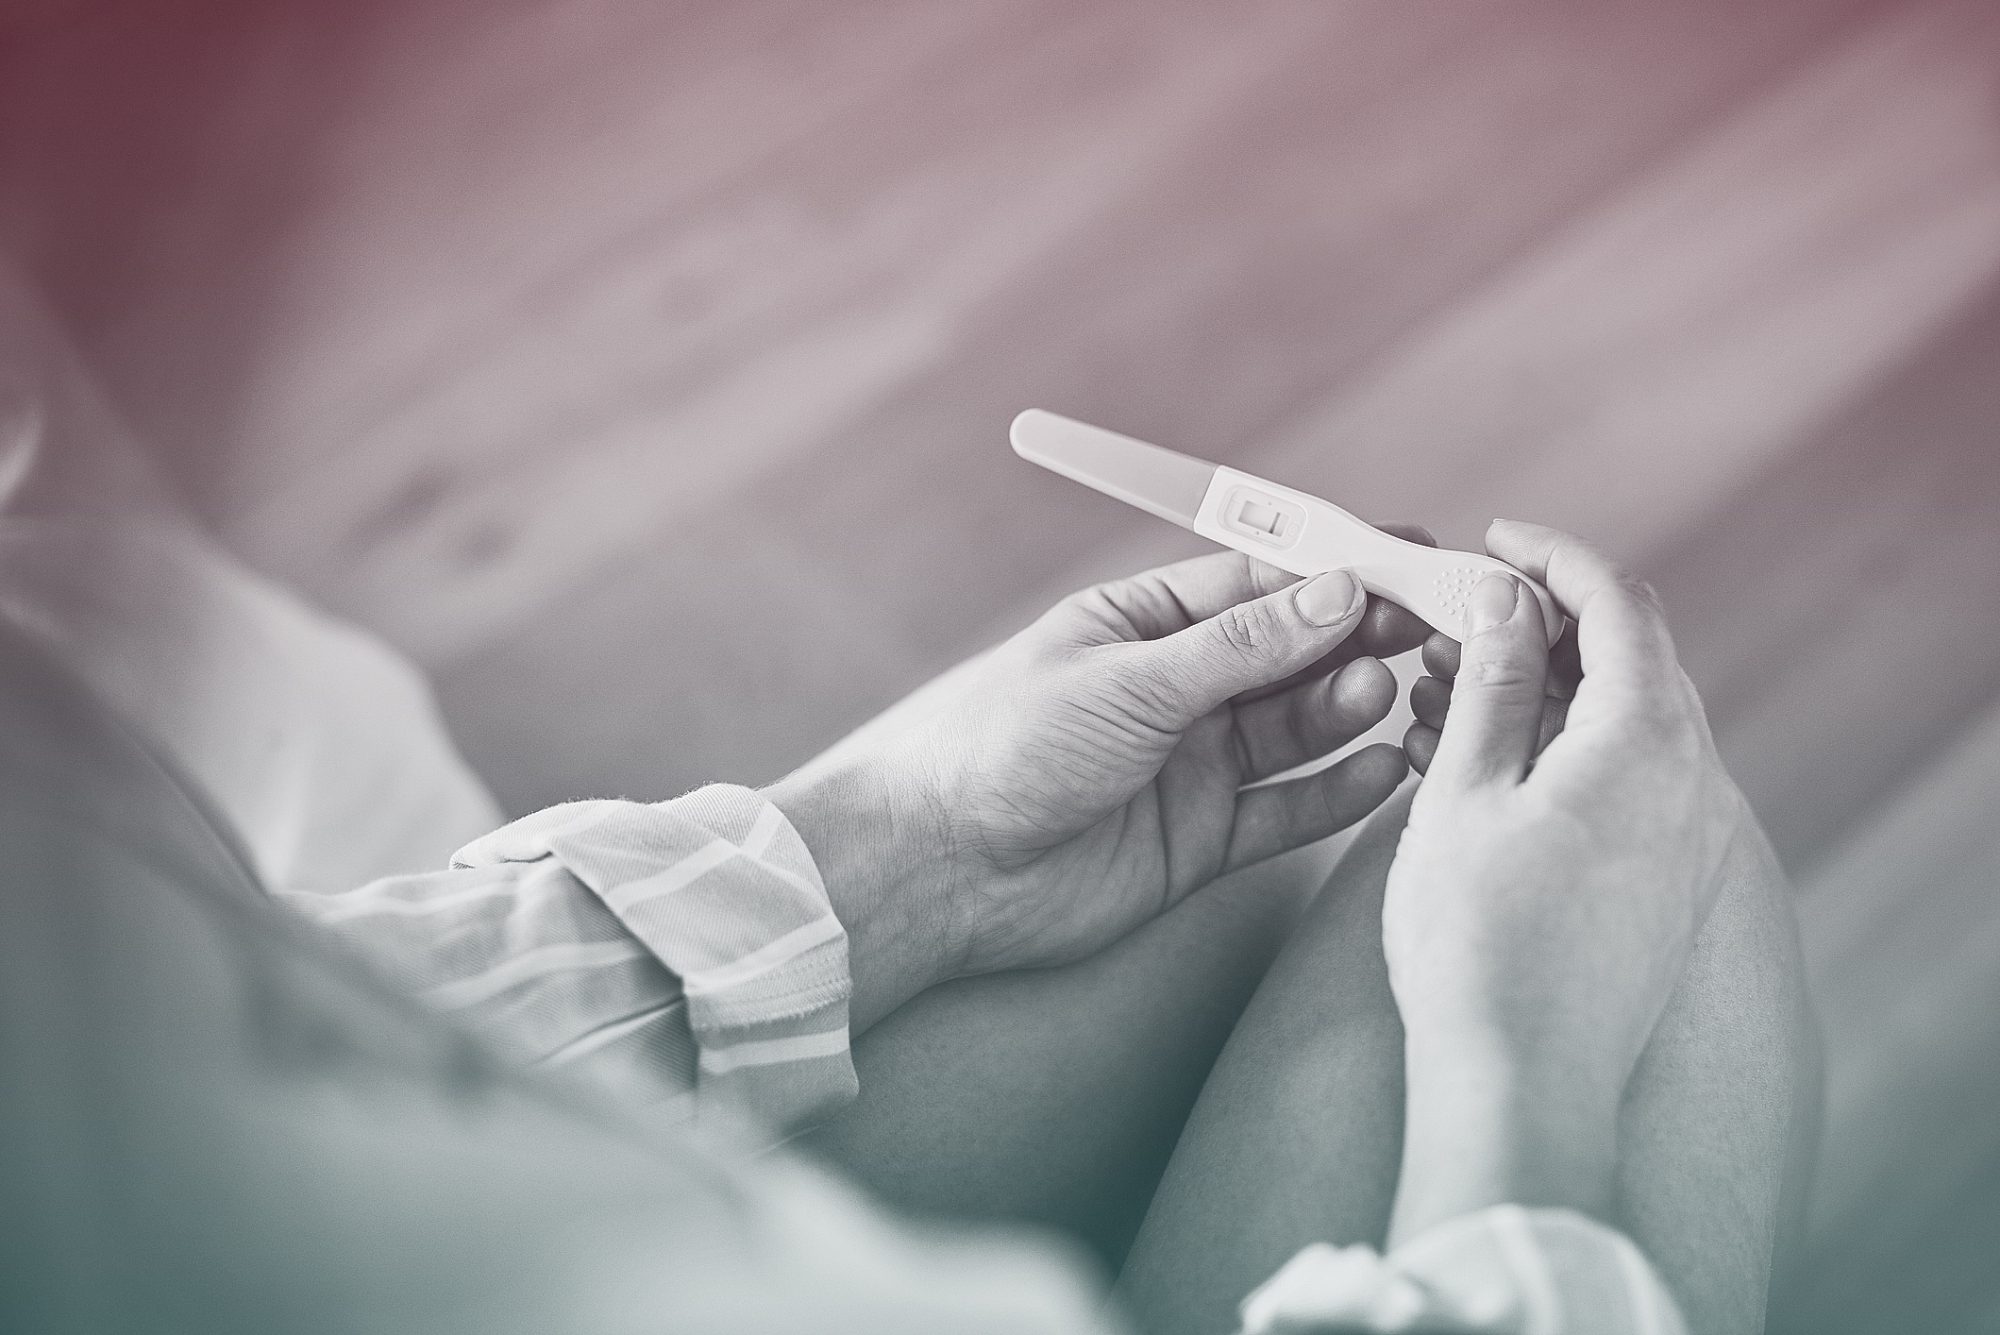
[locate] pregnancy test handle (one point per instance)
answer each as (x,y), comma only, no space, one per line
(1306,535)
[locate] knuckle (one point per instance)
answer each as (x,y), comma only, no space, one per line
(1094,600)
(1441,657)
(1074,617)
(1098,605)
(1496,674)
(1245,631)
(1060,633)
(1164,682)
(1640,594)
(1145,694)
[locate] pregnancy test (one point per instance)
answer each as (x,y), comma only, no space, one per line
(1282,527)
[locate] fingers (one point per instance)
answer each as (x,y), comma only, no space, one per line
(1282,816)
(1430,697)
(1386,630)
(1313,719)
(1173,597)
(1440,656)
(1440,659)
(1420,744)
(1496,704)
(1565,666)
(1638,719)
(1622,639)
(1389,630)
(1416,533)
(1430,703)
(1159,602)
(1244,646)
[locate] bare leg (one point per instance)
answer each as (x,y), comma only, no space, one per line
(1297,1136)
(1055,1097)
(1718,1121)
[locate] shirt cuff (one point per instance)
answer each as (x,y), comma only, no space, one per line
(721,888)
(1500,1271)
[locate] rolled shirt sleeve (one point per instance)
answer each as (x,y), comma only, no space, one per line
(683,953)
(1500,1271)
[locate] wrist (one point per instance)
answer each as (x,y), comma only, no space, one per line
(885,867)
(1486,1124)
(1514,1035)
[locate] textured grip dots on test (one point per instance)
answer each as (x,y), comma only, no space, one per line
(1454,586)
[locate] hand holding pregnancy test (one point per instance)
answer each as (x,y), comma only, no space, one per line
(1277,525)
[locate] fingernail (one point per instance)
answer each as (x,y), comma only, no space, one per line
(1493,601)
(1327,600)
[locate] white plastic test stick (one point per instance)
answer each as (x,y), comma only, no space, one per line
(1288,529)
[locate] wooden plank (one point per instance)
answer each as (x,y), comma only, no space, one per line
(1077,121)
(633,441)
(525,201)
(1837,613)
(1655,352)
(920,484)
(1264,306)
(305,203)
(1837,236)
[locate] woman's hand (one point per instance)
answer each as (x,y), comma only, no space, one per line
(1089,773)
(1542,908)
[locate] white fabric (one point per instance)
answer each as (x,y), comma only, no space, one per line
(683,954)
(1501,1271)
(320,744)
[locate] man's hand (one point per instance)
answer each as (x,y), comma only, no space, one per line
(1090,772)
(1541,908)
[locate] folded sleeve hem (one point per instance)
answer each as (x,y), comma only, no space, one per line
(1504,1270)
(722,890)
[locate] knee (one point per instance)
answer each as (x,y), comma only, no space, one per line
(1329,988)
(1347,911)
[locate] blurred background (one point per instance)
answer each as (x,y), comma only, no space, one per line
(644,372)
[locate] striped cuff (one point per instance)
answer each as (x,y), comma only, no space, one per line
(1502,1271)
(719,886)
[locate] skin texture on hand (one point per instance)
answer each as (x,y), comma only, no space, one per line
(1091,772)
(1548,888)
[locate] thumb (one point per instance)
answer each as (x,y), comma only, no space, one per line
(1251,644)
(1496,703)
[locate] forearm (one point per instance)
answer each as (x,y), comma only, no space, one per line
(883,867)
(1487,1126)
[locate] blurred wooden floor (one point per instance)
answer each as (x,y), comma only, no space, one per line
(645,370)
